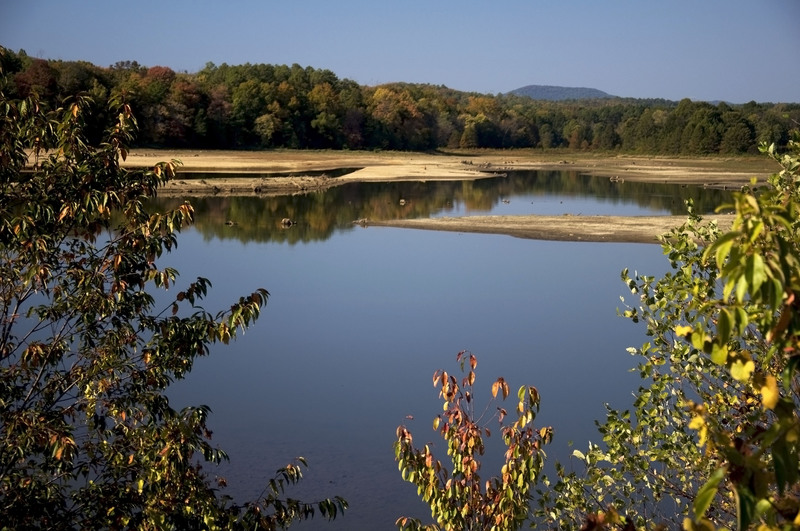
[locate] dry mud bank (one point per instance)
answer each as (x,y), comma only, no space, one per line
(630,229)
(302,171)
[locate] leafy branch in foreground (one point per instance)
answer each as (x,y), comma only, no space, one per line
(713,440)
(458,499)
(87,435)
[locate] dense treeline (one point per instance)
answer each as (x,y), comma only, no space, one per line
(264,106)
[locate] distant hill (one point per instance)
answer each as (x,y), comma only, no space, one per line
(555,93)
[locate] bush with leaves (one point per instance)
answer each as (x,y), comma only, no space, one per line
(87,436)
(713,440)
(458,498)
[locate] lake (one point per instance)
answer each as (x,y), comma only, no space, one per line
(359,319)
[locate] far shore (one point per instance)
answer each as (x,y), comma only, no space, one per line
(284,172)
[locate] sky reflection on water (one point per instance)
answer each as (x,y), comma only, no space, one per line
(355,327)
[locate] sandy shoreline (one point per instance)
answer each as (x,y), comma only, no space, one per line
(629,229)
(303,171)
(388,166)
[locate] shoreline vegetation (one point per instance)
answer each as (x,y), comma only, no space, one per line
(286,172)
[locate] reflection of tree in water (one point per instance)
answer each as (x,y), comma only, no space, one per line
(656,196)
(319,214)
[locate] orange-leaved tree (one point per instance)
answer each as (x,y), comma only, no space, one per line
(458,498)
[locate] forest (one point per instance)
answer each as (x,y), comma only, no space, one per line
(262,106)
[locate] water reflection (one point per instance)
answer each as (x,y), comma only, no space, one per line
(320,214)
(355,327)
(358,320)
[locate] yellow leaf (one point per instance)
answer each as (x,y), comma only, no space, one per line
(719,354)
(683,331)
(699,423)
(769,392)
(741,369)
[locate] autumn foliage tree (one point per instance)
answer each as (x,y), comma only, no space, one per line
(458,497)
(88,439)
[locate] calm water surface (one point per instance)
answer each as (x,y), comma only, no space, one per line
(360,318)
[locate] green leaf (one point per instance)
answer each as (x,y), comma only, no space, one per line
(786,461)
(719,353)
(741,288)
(742,319)
(745,505)
(724,325)
(755,273)
(707,492)
(757,229)
(698,340)
(721,248)
(790,370)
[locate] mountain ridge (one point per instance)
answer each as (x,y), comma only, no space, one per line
(560,93)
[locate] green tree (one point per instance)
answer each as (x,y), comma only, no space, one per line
(547,136)
(713,440)
(576,134)
(87,436)
(738,136)
(702,134)
(248,103)
(675,123)
(604,137)
(328,113)
(647,132)
(458,498)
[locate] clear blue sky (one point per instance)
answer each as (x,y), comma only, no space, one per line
(733,50)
